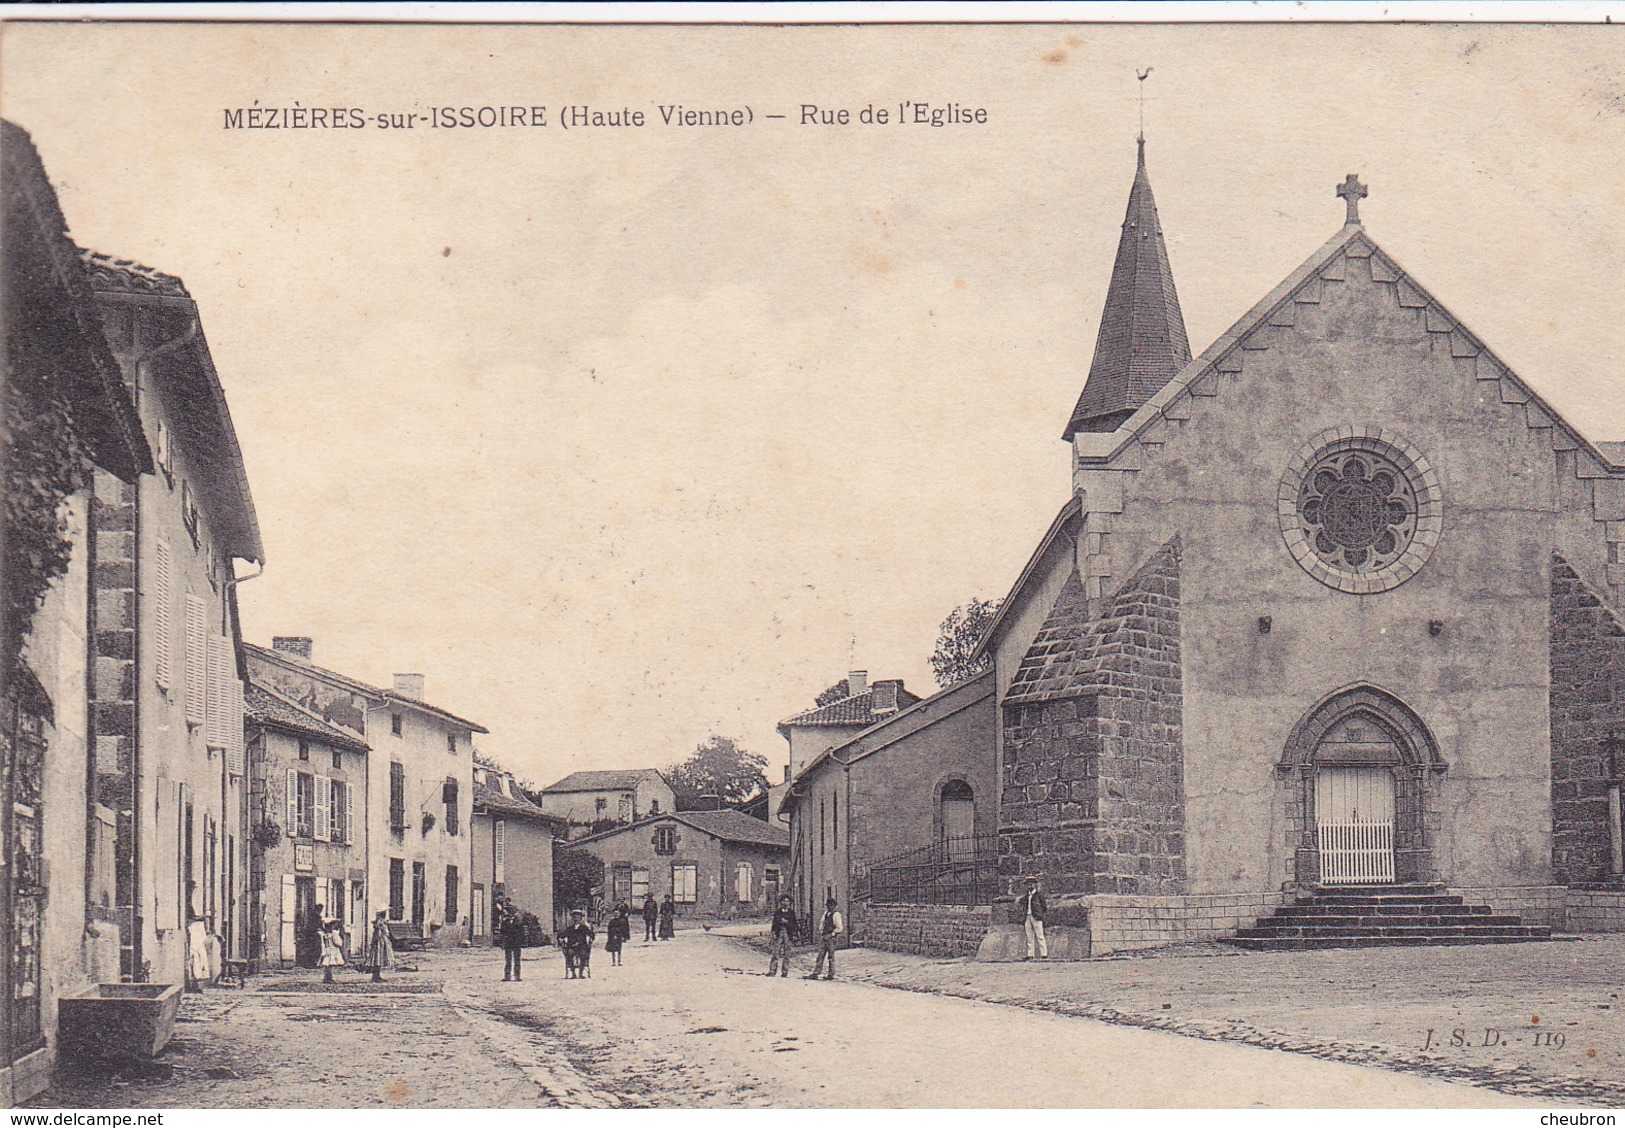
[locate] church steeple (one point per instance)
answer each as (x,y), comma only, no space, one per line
(1142,341)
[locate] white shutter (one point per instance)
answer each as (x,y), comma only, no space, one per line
(290,891)
(197,681)
(324,808)
(165,854)
(234,722)
(499,842)
(163,599)
(349,813)
(293,802)
(222,672)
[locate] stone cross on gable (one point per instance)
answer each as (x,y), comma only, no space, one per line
(1352,192)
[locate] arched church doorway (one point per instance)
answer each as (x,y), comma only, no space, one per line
(1358,768)
(956,818)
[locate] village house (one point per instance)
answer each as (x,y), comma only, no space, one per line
(589,801)
(916,794)
(814,812)
(418,784)
(67,415)
(1336,602)
(713,863)
(512,850)
(168,718)
(308,851)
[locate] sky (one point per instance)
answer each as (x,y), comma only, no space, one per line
(626,436)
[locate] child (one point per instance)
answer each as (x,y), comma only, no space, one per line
(618,933)
(576,943)
(332,948)
(380,948)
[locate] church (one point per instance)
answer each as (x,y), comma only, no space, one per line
(1336,603)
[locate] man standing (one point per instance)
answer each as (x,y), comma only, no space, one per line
(829,937)
(1033,908)
(651,917)
(512,934)
(782,935)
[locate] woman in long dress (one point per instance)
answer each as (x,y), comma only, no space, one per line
(668,918)
(380,949)
(332,949)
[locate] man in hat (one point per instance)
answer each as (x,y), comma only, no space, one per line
(1032,908)
(576,943)
(829,938)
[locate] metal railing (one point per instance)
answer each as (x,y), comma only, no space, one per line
(950,871)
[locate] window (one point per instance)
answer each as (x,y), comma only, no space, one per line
(454,908)
(621,883)
(640,884)
(324,809)
(304,749)
(654,806)
(601,807)
(340,818)
(394,724)
(665,840)
(197,657)
(626,808)
(835,820)
(823,819)
(451,743)
(685,880)
(397,889)
(742,883)
(499,851)
(189,514)
(397,797)
(163,597)
(338,760)
(770,876)
(448,794)
(301,804)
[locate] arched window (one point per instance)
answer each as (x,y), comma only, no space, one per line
(956,816)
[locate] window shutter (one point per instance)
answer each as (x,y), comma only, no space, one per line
(196,660)
(289,911)
(222,673)
(234,719)
(349,813)
(293,803)
(324,808)
(163,598)
(499,859)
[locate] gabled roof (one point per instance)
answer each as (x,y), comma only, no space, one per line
(1142,340)
(729,826)
(489,799)
(886,732)
(264,706)
(202,420)
(858,709)
(332,677)
(48,304)
(622,780)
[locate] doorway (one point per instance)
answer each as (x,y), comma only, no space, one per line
(1354,818)
(307,928)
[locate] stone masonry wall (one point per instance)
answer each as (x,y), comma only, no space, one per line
(945,931)
(1587,709)
(1093,798)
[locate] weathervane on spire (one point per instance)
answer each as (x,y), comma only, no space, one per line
(1142,75)
(1352,192)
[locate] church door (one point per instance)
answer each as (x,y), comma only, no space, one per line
(1354,814)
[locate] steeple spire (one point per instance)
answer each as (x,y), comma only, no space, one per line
(1142,341)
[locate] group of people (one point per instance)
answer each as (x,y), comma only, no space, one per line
(781,939)
(331,941)
(576,939)
(659,920)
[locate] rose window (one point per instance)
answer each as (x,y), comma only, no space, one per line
(1360,509)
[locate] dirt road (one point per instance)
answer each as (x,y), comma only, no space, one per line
(691,1023)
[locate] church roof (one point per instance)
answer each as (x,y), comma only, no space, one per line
(859,709)
(1142,340)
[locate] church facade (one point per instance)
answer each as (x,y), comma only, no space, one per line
(1337,601)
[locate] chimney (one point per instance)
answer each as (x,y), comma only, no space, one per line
(710,801)
(409,685)
(294,646)
(857,682)
(885,699)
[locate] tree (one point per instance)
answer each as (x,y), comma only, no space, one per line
(958,638)
(577,875)
(718,767)
(837,692)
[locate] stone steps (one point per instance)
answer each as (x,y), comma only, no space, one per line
(1377,915)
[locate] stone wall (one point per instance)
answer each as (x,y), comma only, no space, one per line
(929,930)
(1587,708)
(1120,924)
(1599,911)
(1093,773)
